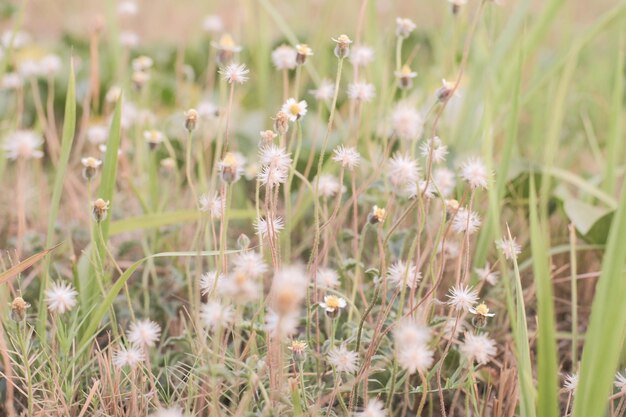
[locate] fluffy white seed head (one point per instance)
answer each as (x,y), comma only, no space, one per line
(284,57)
(478,348)
(343,360)
(144,333)
(60,298)
(360,91)
(401,273)
(462,297)
(406,122)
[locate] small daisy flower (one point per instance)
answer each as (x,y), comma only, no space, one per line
(435,149)
(446,91)
(235,73)
(61,298)
(23,144)
(377,215)
(333,305)
(298,350)
(303,52)
(212,205)
(360,91)
(406,122)
(214,315)
(342,49)
(404,27)
(374,408)
(212,24)
(361,55)
(486,274)
(481,314)
(230,167)
(475,173)
(128,356)
(153,137)
(571,383)
(348,157)
(478,348)
(405,77)
(325,91)
(509,248)
(343,360)
(284,57)
(90,166)
(265,228)
(462,297)
(465,221)
(294,109)
(226,48)
(144,333)
(400,273)
(327,278)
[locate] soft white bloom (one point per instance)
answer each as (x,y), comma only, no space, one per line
(275,155)
(360,91)
(348,157)
(409,332)
(213,23)
(478,348)
(12,81)
(333,304)
(411,344)
(144,333)
(214,315)
(374,408)
(130,356)
(571,383)
(462,297)
(343,360)
(127,8)
(30,68)
(272,176)
(288,291)
(240,287)
(404,27)
(284,57)
(50,64)
(361,55)
(475,173)
(453,326)
(207,109)
(329,186)
(620,381)
(142,63)
(61,297)
(23,144)
(235,73)
(509,248)
(445,181)
(97,134)
(325,91)
(406,122)
(15,39)
(401,272)
(281,325)
(327,278)
(250,263)
(294,109)
(168,412)
(465,221)
(271,228)
(231,166)
(129,39)
(486,274)
(402,170)
(211,204)
(421,187)
(211,280)
(450,248)
(438,149)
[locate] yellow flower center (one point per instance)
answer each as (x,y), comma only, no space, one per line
(482,309)
(226,41)
(294,109)
(406,70)
(229,159)
(332,302)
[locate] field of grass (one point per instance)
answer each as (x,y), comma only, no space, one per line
(271,208)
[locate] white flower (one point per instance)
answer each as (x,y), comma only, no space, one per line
(12,81)
(327,278)
(130,356)
(478,348)
(97,134)
(332,303)
(211,204)
(284,57)
(410,341)
(61,298)
(129,39)
(50,64)
(230,167)
(294,109)
(360,91)
(271,228)
(127,8)
(90,162)
(213,23)
(486,274)
(462,297)
(571,383)
(142,63)
(273,176)
(409,332)
(406,122)
(402,170)
(30,68)
(23,144)
(404,27)
(215,315)
(235,73)
(347,157)
(275,155)
(325,91)
(445,181)
(329,186)
(281,325)
(400,273)
(144,333)
(374,408)
(239,286)
(211,280)
(207,109)
(343,360)
(620,381)
(15,39)
(250,263)
(475,173)
(439,150)
(509,248)
(465,221)
(361,55)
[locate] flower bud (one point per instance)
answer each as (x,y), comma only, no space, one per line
(342,49)
(18,309)
(281,122)
(191,119)
(100,209)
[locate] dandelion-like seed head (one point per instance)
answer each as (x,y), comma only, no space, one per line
(235,73)
(401,273)
(478,348)
(23,144)
(325,91)
(406,122)
(60,298)
(348,157)
(475,173)
(144,333)
(374,408)
(343,360)
(362,92)
(462,297)
(509,248)
(128,356)
(361,55)
(284,57)
(404,27)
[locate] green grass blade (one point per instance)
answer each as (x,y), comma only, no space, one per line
(548,397)
(615,136)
